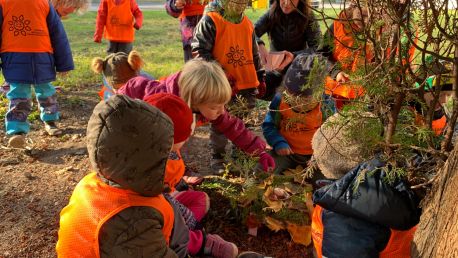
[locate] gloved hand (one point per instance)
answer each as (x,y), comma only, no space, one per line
(266,161)
(97,39)
(136,26)
(261,90)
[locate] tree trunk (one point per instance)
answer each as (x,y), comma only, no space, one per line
(437,232)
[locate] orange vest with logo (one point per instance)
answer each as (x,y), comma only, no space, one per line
(192,9)
(120,22)
(398,245)
(174,171)
(24,27)
(233,49)
(91,205)
(298,128)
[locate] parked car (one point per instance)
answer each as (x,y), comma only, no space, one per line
(316,4)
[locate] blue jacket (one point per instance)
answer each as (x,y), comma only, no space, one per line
(362,216)
(271,124)
(37,68)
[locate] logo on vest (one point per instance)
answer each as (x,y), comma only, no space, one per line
(19,26)
(236,57)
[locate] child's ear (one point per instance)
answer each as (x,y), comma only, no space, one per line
(97,65)
(135,61)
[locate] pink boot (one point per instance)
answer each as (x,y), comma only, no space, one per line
(220,248)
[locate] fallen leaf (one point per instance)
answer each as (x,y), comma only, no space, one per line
(274,205)
(273,224)
(300,234)
(280,194)
(292,188)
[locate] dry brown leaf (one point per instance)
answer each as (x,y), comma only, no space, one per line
(280,194)
(292,188)
(274,205)
(300,234)
(268,181)
(273,224)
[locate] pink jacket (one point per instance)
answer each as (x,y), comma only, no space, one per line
(232,127)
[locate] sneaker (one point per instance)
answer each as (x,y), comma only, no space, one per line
(250,254)
(17,141)
(217,164)
(51,128)
(220,248)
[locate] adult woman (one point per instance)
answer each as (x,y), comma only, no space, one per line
(291,27)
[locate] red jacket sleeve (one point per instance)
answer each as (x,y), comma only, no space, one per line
(137,13)
(234,129)
(100,21)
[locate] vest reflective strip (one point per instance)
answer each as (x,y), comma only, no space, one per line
(298,129)
(120,22)
(91,205)
(233,49)
(24,27)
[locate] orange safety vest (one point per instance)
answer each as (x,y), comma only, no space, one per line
(344,42)
(398,245)
(24,27)
(345,90)
(438,125)
(120,22)
(174,171)
(298,128)
(195,8)
(233,49)
(91,205)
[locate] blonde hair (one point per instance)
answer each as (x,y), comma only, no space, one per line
(203,82)
(78,4)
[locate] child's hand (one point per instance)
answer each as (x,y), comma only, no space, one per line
(266,161)
(98,40)
(342,77)
(136,26)
(284,151)
(180,4)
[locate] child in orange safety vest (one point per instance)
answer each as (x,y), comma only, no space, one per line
(118,210)
(189,12)
(358,211)
(117,21)
(226,34)
(192,205)
(295,114)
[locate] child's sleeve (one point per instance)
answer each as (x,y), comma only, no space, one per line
(100,21)
(234,129)
(171,9)
(62,53)
(137,13)
(204,38)
(270,126)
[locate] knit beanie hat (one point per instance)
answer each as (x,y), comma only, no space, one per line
(306,74)
(177,110)
(117,69)
(128,142)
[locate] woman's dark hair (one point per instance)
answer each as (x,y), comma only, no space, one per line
(275,11)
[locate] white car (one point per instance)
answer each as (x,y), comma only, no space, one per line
(315,4)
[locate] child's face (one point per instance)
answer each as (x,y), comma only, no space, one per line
(288,6)
(211,111)
(236,6)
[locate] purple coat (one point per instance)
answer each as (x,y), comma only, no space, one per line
(232,127)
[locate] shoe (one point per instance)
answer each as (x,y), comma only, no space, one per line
(17,141)
(250,254)
(217,164)
(220,248)
(51,128)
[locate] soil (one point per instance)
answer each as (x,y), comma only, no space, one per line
(36,183)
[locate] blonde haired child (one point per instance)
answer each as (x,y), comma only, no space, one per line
(117,69)
(204,87)
(66,7)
